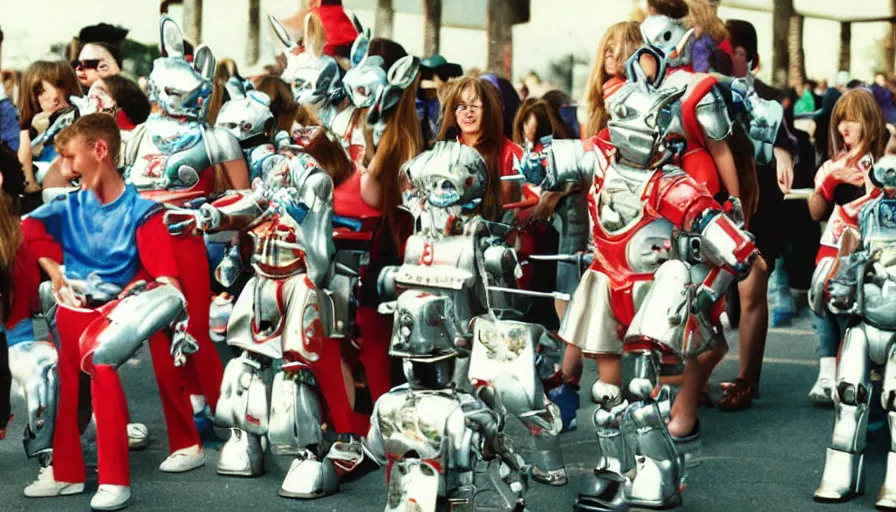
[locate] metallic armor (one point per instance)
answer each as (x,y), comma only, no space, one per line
(663,249)
(456,294)
(288,310)
(171,155)
(863,288)
(442,446)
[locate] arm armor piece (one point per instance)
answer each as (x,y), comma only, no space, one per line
(712,114)
(221,145)
(723,243)
(33,366)
(560,162)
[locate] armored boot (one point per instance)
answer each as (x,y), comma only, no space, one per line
(310,477)
(604,489)
(241,455)
(658,466)
(843,477)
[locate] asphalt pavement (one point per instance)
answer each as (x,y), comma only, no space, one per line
(767,458)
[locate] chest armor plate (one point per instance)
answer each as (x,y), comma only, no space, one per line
(420,422)
(172,155)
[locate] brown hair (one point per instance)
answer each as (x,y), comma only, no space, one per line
(283,104)
(703,17)
(546,122)
(10,242)
(400,142)
(330,155)
(225,69)
(93,127)
(128,97)
(858,105)
(58,73)
(675,9)
(491,136)
(623,38)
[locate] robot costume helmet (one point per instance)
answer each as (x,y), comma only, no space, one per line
(313,77)
(179,87)
(367,75)
(401,75)
(449,174)
(669,37)
(247,115)
(883,174)
(641,114)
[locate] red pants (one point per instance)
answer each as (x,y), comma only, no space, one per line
(204,370)
(110,405)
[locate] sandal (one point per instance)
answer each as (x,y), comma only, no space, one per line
(736,396)
(730,383)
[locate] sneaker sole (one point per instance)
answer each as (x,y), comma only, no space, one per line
(182,470)
(66,491)
(120,506)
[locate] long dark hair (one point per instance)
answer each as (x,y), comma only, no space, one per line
(491,135)
(10,241)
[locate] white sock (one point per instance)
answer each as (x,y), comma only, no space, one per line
(198,402)
(827,368)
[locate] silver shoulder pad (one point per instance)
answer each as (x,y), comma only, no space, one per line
(712,113)
(221,145)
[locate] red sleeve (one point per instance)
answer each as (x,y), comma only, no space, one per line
(38,242)
(25,275)
(155,249)
(509,151)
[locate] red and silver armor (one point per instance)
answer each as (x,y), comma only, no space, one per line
(664,249)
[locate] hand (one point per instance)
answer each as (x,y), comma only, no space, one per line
(182,344)
(785,174)
(63,292)
(544,210)
(32,187)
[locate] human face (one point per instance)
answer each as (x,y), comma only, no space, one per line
(851,131)
(79,160)
(50,97)
(529,128)
(94,62)
(99,99)
(611,62)
(741,65)
(469,113)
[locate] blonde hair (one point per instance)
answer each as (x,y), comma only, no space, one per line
(859,105)
(93,127)
(623,38)
(703,17)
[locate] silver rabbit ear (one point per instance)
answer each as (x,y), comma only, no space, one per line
(360,47)
(171,39)
(204,61)
(280,32)
(235,88)
(358,26)
(403,73)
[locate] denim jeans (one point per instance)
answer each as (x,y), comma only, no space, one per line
(830,331)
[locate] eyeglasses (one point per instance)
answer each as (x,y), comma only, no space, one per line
(86,63)
(472,108)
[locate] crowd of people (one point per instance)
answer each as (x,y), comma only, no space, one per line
(351,224)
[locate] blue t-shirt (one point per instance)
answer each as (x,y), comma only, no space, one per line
(97,237)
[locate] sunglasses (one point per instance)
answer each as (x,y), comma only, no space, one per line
(86,64)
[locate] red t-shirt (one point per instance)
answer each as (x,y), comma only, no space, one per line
(339,28)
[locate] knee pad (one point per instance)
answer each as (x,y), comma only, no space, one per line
(853,394)
(607,396)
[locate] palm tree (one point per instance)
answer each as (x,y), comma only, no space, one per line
(253,39)
(500,37)
(193,21)
(783,11)
(432,26)
(385,18)
(797,72)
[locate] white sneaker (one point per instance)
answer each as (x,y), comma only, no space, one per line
(184,460)
(111,497)
(821,392)
(138,436)
(46,486)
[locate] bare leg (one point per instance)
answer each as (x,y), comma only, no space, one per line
(696,373)
(572,362)
(609,368)
(560,308)
(753,325)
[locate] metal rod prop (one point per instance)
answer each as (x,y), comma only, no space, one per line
(546,295)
